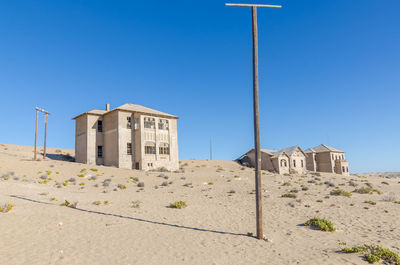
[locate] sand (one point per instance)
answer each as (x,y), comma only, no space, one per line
(212,229)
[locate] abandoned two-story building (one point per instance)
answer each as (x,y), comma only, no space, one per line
(130,136)
(322,158)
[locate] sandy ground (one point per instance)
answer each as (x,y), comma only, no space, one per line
(212,229)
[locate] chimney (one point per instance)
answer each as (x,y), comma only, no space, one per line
(107,107)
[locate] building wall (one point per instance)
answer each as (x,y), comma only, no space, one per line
(125,136)
(111,146)
(94,139)
(300,165)
(266,162)
(325,162)
(311,164)
(81,139)
(279,165)
(157,137)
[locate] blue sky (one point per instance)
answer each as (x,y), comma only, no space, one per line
(329,72)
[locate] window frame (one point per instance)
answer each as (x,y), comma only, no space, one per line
(149,122)
(100,126)
(100,151)
(129,122)
(129,148)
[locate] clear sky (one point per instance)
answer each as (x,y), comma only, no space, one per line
(329,72)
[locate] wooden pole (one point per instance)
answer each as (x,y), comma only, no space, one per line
(259,221)
(210,149)
(45,135)
(34,152)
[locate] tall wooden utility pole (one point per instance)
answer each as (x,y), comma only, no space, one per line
(259,222)
(45,131)
(37,114)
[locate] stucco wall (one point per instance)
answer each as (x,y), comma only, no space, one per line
(110,131)
(311,164)
(81,139)
(300,165)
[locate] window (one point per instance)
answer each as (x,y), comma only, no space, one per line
(347,169)
(315,158)
(164,149)
(333,157)
(99,151)
(283,163)
(137,165)
(163,124)
(129,148)
(150,148)
(294,163)
(302,163)
(149,122)
(343,169)
(129,122)
(100,126)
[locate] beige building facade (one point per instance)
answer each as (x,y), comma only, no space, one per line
(289,160)
(324,158)
(130,136)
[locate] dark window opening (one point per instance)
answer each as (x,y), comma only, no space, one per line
(100,126)
(129,148)
(99,151)
(129,122)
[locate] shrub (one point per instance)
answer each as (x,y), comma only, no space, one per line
(210,183)
(289,195)
(83,170)
(65,183)
(397,202)
(375,254)
(368,190)
(53,199)
(340,192)
(82,184)
(5,208)
(178,204)
(69,204)
(94,169)
(81,175)
(48,172)
(321,224)
(236,176)
(97,202)
(287,183)
(121,186)
(370,202)
(136,204)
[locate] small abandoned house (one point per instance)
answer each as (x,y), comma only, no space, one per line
(288,160)
(324,158)
(130,136)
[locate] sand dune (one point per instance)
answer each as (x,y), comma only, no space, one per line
(135,225)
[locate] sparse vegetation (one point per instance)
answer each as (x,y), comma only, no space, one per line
(83,170)
(97,202)
(289,195)
(82,184)
(94,169)
(340,192)
(287,183)
(367,190)
(370,202)
(321,224)
(5,208)
(69,204)
(375,254)
(121,186)
(53,199)
(48,172)
(210,183)
(178,204)
(397,202)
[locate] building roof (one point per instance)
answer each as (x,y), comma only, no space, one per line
(309,150)
(326,148)
(129,107)
(93,112)
(286,151)
(143,109)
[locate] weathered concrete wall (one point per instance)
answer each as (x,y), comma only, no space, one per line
(311,164)
(325,162)
(94,139)
(81,139)
(110,131)
(298,162)
(125,136)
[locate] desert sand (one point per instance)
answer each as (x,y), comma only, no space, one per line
(135,225)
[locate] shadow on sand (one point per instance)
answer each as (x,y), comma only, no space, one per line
(60,157)
(138,219)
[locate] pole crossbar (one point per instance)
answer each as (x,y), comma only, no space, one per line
(253,5)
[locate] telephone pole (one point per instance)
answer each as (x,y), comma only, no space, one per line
(45,131)
(254,7)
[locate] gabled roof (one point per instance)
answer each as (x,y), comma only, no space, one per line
(286,151)
(326,148)
(143,109)
(309,150)
(92,112)
(290,150)
(129,107)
